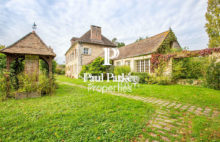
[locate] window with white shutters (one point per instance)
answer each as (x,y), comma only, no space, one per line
(86,51)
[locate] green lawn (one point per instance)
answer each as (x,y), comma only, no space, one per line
(199,96)
(73,114)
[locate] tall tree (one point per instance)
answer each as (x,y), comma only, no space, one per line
(213,23)
(116,42)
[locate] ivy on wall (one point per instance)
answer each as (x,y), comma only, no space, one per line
(157,57)
(165,47)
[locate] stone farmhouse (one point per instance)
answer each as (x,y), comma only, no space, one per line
(85,49)
(137,55)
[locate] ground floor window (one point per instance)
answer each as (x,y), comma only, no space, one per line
(127,63)
(118,63)
(143,65)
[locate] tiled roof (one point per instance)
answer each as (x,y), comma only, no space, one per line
(29,44)
(86,39)
(142,47)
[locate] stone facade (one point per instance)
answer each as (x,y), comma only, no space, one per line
(138,55)
(32,66)
(133,62)
(75,58)
(84,50)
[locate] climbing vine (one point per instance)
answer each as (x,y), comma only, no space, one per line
(157,58)
(165,47)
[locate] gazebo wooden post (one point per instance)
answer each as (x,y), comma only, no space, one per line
(50,67)
(32,48)
(7,75)
(8,61)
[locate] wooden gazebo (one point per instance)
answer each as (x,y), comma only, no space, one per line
(31,48)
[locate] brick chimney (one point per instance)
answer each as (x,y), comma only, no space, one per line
(95,33)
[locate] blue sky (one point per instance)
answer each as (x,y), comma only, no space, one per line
(59,20)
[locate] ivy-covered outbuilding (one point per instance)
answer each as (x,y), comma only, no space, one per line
(138,55)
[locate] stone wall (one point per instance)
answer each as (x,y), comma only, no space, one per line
(96,51)
(132,60)
(32,65)
(72,62)
(75,58)
(168,68)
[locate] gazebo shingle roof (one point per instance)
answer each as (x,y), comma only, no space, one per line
(30,44)
(142,47)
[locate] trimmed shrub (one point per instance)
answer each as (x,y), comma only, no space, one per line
(143,76)
(96,67)
(118,70)
(213,75)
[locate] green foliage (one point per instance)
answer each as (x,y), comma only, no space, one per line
(16,67)
(117,43)
(4,85)
(213,23)
(60,69)
(213,75)
(178,70)
(143,76)
(2,60)
(160,80)
(198,96)
(28,83)
(96,67)
(118,70)
(159,71)
(205,129)
(166,45)
(44,85)
(44,67)
(189,68)
(83,115)
(47,85)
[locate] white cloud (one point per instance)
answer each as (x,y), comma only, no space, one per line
(58,20)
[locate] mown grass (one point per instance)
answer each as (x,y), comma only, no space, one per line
(73,114)
(195,95)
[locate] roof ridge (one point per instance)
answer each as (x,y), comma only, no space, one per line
(16,41)
(147,38)
(14,46)
(145,46)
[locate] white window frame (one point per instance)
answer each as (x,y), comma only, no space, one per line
(140,65)
(118,63)
(87,51)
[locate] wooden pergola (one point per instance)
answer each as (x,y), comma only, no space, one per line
(31,48)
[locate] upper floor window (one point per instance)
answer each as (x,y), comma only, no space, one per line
(86,51)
